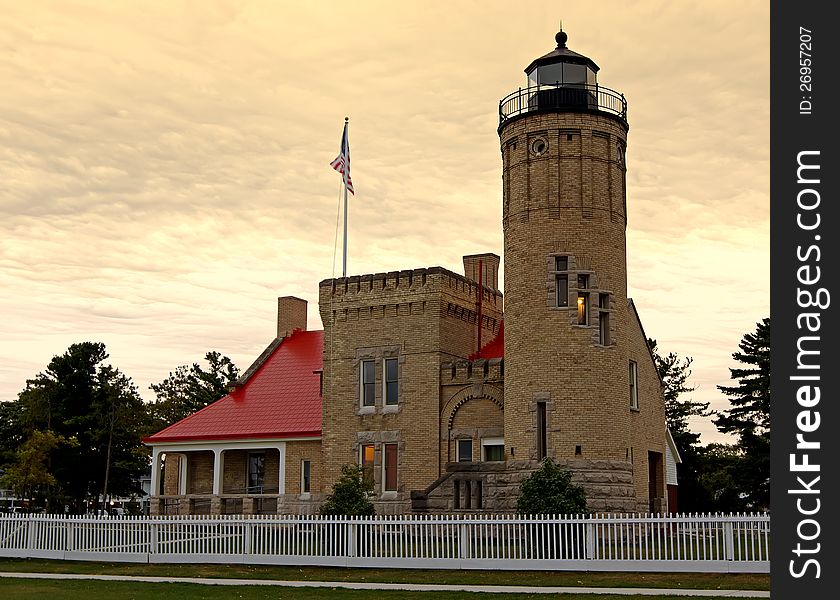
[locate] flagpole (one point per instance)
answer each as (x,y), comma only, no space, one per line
(344,178)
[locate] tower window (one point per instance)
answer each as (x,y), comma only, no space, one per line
(539,147)
(542,432)
(561,279)
(583,299)
(634,386)
(604,319)
(583,312)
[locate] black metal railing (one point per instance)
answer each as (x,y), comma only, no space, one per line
(559,97)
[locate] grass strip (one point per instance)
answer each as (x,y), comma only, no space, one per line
(32,589)
(704,581)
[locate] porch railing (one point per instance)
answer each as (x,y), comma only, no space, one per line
(699,543)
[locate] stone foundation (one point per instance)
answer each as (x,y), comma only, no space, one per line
(494,487)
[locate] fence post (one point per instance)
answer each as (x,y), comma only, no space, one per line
(464,540)
(153,539)
(729,541)
(30,535)
(590,540)
(351,537)
(68,536)
(246,536)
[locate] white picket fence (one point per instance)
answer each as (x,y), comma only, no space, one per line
(688,543)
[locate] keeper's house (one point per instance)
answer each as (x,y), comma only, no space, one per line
(447,399)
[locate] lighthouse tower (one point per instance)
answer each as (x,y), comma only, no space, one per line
(580,384)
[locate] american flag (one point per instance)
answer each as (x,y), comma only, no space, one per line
(342,161)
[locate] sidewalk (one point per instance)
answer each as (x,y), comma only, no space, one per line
(413,587)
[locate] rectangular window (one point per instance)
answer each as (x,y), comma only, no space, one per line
(305,476)
(493,449)
(256,473)
(582,308)
(634,388)
(542,431)
(604,319)
(368,383)
(390,468)
(561,263)
(391,381)
(465,450)
(366,460)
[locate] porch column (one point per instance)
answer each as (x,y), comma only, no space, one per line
(182,474)
(155,485)
(218,471)
(281,479)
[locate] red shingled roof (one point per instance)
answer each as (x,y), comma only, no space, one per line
(495,348)
(281,399)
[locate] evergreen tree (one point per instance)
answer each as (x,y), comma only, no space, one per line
(350,495)
(549,491)
(749,415)
(191,388)
(674,373)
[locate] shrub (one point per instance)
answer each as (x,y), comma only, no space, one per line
(350,495)
(549,490)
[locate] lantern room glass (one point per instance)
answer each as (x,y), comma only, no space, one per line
(565,74)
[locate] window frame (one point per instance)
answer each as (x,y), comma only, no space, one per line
(393,466)
(458,454)
(583,299)
(561,274)
(365,385)
(305,478)
(492,442)
(386,396)
(604,319)
(368,472)
(261,473)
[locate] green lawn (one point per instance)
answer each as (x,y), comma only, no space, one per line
(31,589)
(739,581)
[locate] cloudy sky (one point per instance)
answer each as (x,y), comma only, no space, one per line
(164,166)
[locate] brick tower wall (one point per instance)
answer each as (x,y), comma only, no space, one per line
(570,200)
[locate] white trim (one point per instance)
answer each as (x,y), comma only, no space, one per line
(182,474)
(218,470)
(154,487)
(281,476)
(243,444)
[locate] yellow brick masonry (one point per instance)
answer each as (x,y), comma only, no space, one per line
(423,318)
(570,200)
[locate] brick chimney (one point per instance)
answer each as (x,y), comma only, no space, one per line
(489,264)
(291,315)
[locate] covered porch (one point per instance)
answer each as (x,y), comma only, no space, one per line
(236,477)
